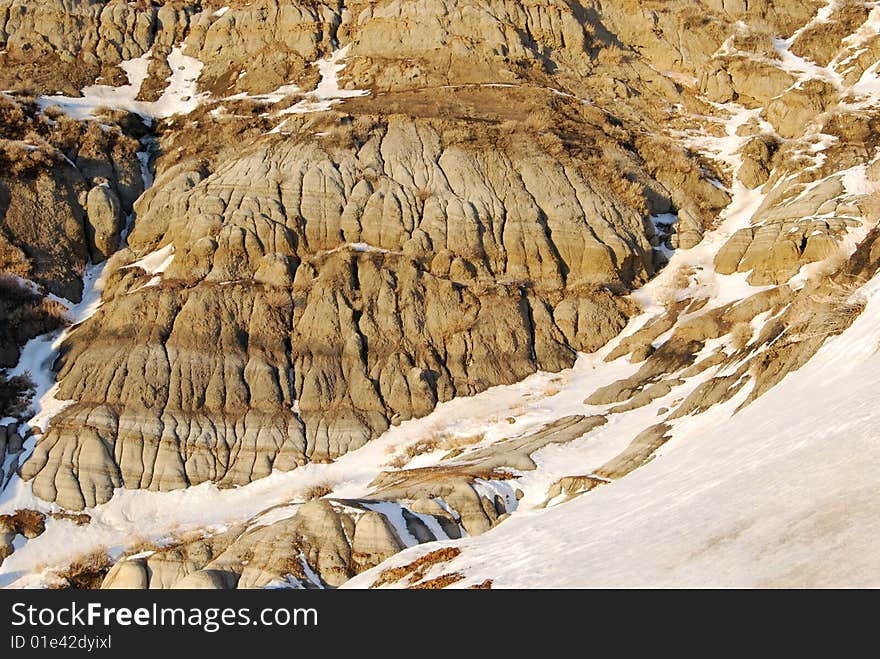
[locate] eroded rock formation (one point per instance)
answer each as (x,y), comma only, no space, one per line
(360,210)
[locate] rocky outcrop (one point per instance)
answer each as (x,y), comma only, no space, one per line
(53,251)
(11,444)
(75,46)
(323,543)
(51,223)
(797,224)
(360,287)
(105,221)
(323,288)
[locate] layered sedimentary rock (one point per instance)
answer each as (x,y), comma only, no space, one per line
(319,544)
(311,303)
(471,216)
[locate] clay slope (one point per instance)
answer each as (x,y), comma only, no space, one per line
(325,284)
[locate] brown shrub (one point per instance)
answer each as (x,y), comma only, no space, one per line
(13,261)
(88,571)
(670,297)
(536,122)
(316,492)
(24,125)
(758,39)
(486,585)
(21,159)
(13,119)
(832,264)
(29,523)
(837,305)
(80,519)
(423,446)
(437,441)
(24,314)
(16,393)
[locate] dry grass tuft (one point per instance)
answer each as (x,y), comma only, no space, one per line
(740,335)
(29,523)
(80,519)
(831,265)
(417,569)
(679,280)
(757,39)
(438,583)
(486,585)
(317,491)
(87,572)
(681,277)
(437,441)
(837,306)
(141,544)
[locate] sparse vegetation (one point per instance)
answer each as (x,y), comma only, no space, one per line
(756,38)
(29,523)
(80,519)
(437,441)
(16,393)
(418,568)
(485,585)
(86,572)
(317,491)
(831,265)
(673,295)
(34,140)
(24,158)
(740,335)
(668,298)
(837,305)
(438,583)
(24,314)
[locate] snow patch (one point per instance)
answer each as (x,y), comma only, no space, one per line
(39,354)
(394,514)
(179,97)
(328,93)
(270,97)
(156,262)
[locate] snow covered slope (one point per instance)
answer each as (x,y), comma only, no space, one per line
(782,494)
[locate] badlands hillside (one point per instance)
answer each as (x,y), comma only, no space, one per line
(439,293)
